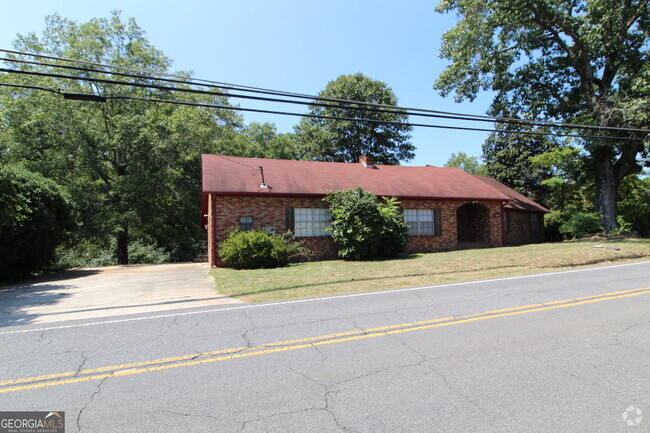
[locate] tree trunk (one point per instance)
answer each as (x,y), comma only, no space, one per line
(123,246)
(607,188)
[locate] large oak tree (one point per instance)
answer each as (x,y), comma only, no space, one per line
(564,60)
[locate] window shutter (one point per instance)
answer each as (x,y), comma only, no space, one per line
(437,222)
(289,219)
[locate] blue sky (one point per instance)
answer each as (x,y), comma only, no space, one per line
(292,45)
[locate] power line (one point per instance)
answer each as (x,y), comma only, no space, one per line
(90,96)
(228,86)
(24,86)
(195,91)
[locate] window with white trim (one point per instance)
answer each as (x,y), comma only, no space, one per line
(420,221)
(312,221)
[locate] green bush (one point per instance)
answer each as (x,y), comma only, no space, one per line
(143,252)
(35,219)
(86,254)
(552,223)
(90,254)
(364,229)
(634,205)
(580,224)
(254,249)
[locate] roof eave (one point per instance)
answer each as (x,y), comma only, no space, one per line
(320,195)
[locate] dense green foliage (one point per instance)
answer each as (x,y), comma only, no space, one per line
(580,224)
(261,140)
(254,249)
(92,254)
(470,164)
(34,220)
(131,169)
(339,140)
(576,61)
(507,159)
(634,205)
(363,228)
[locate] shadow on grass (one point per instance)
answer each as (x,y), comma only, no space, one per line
(356,280)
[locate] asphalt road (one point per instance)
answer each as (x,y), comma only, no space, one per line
(562,352)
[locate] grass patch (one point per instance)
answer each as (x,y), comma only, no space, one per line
(338,276)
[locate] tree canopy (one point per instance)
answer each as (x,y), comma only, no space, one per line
(470,164)
(507,159)
(573,61)
(131,167)
(345,139)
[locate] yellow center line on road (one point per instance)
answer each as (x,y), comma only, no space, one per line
(288,342)
(173,362)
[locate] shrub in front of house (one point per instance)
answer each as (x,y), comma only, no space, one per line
(254,249)
(363,228)
(580,224)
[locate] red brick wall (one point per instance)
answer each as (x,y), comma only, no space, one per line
(430,243)
(448,240)
(266,212)
(520,233)
(224,213)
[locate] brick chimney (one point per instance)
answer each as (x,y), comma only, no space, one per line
(366,160)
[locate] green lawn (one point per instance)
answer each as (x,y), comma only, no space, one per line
(337,276)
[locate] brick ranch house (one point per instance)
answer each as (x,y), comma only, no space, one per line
(445,208)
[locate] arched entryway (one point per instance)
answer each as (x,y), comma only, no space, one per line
(473,223)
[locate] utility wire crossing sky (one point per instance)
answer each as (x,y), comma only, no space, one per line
(227,92)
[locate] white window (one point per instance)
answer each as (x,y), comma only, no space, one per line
(420,221)
(312,221)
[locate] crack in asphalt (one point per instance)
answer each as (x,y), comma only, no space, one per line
(424,363)
(321,353)
(588,381)
(93,395)
(321,405)
(326,398)
(84,358)
(630,327)
(247,339)
(193,415)
(41,339)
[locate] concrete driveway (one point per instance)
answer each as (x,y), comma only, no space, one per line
(108,291)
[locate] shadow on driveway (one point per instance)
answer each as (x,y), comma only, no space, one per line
(113,290)
(16,302)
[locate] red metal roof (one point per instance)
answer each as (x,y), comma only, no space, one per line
(241,176)
(519,201)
